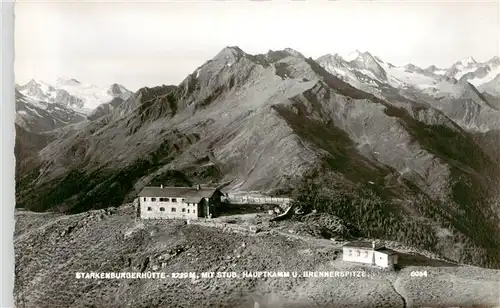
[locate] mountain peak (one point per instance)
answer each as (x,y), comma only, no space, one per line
(230,54)
(65,81)
(117,90)
(363,57)
(36,88)
(364,60)
(412,68)
(494,61)
(293,52)
(32,82)
(235,50)
(276,55)
(367,54)
(468,61)
(334,60)
(432,68)
(353,55)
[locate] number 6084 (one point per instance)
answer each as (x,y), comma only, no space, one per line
(418,274)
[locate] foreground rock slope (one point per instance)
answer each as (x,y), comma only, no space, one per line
(50,248)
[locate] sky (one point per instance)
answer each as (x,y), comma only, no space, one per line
(141,44)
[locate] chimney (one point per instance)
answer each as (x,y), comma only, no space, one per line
(161,186)
(373,245)
(198,187)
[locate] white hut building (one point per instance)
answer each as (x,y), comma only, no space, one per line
(369,253)
(179,202)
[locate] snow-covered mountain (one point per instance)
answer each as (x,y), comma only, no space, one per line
(36,125)
(491,87)
(39,116)
(355,63)
(466,92)
(72,93)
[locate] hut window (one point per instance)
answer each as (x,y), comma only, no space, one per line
(174,200)
(173,209)
(183,209)
(162,209)
(188,210)
(153,199)
(149,208)
(144,198)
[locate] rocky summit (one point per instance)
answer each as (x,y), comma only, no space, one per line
(402,153)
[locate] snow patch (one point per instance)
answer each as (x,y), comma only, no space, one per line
(468,61)
(464,71)
(399,75)
(91,94)
(45,87)
(369,74)
(351,56)
(495,71)
(33,111)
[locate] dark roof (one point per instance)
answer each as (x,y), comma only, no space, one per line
(365,244)
(359,244)
(386,251)
(191,194)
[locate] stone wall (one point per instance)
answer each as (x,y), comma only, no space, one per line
(225,227)
(258,200)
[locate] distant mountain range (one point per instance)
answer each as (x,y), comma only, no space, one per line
(40,116)
(72,93)
(432,80)
(403,153)
(359,69)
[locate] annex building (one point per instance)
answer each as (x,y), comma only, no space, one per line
(369,253)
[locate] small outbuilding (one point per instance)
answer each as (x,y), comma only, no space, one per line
(385,257)
(369,253)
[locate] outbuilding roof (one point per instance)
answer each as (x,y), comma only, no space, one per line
(368,245)
(191,194)
(359,244)
(387,251)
